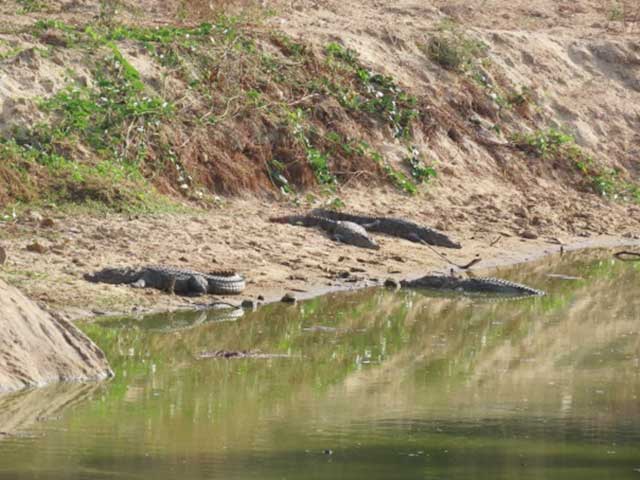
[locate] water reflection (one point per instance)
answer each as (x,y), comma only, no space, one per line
(396,385)
(20,411)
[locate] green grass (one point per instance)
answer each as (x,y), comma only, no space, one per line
(110,137)
(546,143)
(454,50)
(29,6)
(372,92)
(554,144)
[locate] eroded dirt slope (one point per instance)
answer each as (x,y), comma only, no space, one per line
(37,349)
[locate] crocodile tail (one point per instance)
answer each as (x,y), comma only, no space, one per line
(303,220)
(223,273)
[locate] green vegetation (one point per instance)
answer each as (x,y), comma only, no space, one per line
(371,92)
(547,143)
(35,176)
(553,144)
(419,170)
(616,13)
(28,6)
(453,49)
(118,129)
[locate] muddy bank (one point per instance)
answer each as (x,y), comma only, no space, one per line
(37,349)
(275,258)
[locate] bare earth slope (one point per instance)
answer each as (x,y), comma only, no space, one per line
(37,349)
(583,69)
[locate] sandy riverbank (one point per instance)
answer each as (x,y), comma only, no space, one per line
(278,259)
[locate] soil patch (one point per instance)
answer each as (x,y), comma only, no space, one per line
(37,349)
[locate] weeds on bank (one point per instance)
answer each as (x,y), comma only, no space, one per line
(110,133)
(453,49)
(553,144)
(34,175)
(378,95)
(29,6)
(373,93)
(453,52)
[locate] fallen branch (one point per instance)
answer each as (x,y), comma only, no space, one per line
(635,256)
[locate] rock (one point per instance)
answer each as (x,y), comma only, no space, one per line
(289,298)
(36,247)
(47,223)
(3,256)
(34,216)
(249,304)
(392,283)
(537,221)
(529,235)
(261,298)
(51,37)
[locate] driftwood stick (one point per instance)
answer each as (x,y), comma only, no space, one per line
(627,256)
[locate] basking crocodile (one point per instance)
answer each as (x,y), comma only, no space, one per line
(173,280)
(346,232)
(472,285)
(394,227)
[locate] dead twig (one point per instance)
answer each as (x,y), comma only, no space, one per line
(624,256)
(443,257)
(496,241)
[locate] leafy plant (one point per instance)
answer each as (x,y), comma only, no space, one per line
(376,94)
(276,174)
(543,143)
(553,143)
(420,172)
(454,50)
(29,6)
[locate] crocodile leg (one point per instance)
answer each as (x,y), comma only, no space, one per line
(171,285)
(198,285)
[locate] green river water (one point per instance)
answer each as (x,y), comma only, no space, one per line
(375,384)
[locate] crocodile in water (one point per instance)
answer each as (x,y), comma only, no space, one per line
(472,285)
(395,227)
(342,231)
(174,280)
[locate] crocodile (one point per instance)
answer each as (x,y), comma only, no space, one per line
(479,285)
(347,232)
(395,227)
(173,280)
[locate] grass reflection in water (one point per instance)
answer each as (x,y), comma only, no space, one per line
(395,384)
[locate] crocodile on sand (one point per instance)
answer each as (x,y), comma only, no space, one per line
(473,285)
(394,227)
(173,280)
(347,232)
